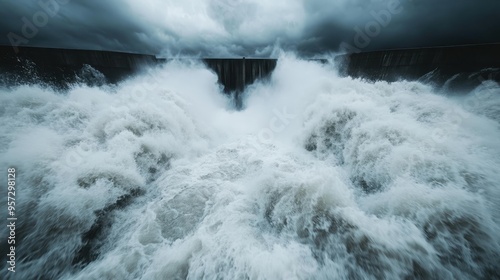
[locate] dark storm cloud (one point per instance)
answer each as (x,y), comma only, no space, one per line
(441,22)
(369,25)
(249,27)
(105,25)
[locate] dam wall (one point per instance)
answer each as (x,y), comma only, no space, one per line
(60,67)
(235,74)
(461,65)
(451,66)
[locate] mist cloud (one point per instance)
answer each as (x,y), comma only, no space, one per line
(228,28)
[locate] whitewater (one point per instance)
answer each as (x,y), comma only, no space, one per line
(317,176)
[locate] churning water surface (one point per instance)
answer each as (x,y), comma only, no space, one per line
(317,177)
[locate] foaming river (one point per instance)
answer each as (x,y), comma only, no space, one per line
(317,177)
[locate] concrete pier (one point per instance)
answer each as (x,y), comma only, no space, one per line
(235,74)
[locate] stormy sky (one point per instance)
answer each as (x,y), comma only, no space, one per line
(226,28)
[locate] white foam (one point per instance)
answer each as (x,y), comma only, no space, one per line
(318,177)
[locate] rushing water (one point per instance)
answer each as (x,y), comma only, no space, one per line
(317,177)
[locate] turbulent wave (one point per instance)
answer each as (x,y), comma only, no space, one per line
(317,177)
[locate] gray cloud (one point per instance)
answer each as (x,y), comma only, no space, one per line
(248,27)
(103,25)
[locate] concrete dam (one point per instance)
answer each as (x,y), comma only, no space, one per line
(59,67)
(235,74)
(458,65)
